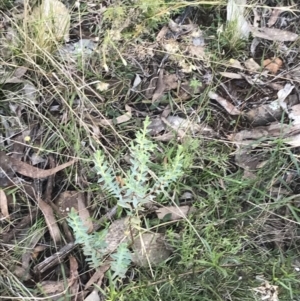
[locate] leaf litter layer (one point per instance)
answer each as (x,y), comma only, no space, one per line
(201,203)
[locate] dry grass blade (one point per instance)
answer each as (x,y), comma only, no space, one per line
(49,23)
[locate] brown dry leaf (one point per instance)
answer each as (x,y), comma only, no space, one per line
(230,108)
(295,114)
(53,289)
(7,78)
(171,46)
(180,28)
(274,34)
(175,212)
(273,65)
(165,137)
(150,88)
(120,119)
(254,80)
(18,145)
(30,93)
(144,50)
(84,213)
(274,16)
(73,269)
(118,231)
(20,71)
(10,164)
(3,205)
(275,86)
(291,134)
(101,86)
(294,141)
(271,112)
(231,75)
(73,280)
(283,94)
(36,159)
(156,126)
(166,111)
(264,114)
(74,199)
(235,64)
(180,126)
(15,77)
(160,36)
(249,175)
(96,130)
(267,292)
(197,51)
(186,67)
(249,134)
(50,220)
(170,81)
(251,65)
(137,81)
(160,87)
(176,28)
(273,130)
(97,276)
(66,201)
(21,272)
(93,296)
(250,161)
(150,248)
(37,250)
(284,130)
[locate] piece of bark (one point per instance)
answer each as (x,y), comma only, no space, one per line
(54,259)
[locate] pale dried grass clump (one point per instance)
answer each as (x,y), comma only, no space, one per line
(44,27)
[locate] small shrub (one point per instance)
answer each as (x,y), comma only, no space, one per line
(135,192)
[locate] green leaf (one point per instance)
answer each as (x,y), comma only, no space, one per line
(122,259)
(93,245)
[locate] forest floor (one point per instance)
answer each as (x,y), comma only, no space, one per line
(149,150)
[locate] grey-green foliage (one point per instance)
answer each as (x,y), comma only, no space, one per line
(137,190)
(94,246)
(121,261)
